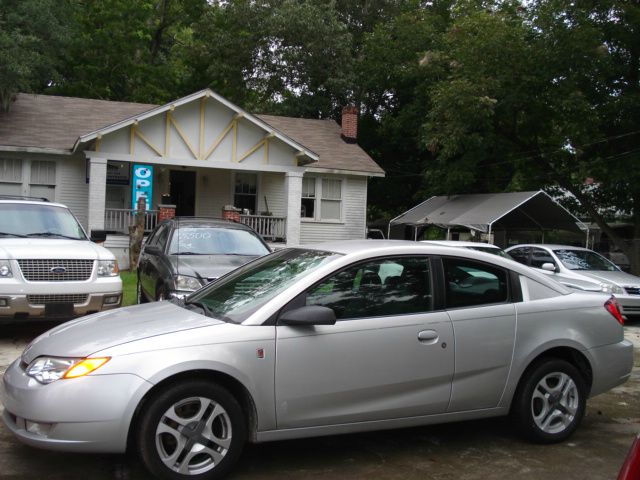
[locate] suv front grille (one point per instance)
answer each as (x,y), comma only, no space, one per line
(44,299)
(632,290)
(42,270)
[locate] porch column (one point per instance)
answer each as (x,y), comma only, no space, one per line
(293,195)
(97,192)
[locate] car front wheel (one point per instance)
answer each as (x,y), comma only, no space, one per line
(550,401)
(192,430)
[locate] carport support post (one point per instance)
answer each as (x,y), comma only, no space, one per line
(97,193)
(293,194)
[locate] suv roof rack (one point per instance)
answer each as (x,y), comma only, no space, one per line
(23,197)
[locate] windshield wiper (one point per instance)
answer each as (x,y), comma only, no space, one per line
(50,234)
(188,253)
(7,234)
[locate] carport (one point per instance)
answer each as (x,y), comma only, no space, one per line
(485,212)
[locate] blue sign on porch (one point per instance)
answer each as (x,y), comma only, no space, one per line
(142,185)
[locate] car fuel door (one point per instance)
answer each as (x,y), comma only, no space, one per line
(389,355)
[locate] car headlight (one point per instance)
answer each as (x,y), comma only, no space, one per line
(5,269)
(108,268)
(611,288)
(49,369)
(183,282)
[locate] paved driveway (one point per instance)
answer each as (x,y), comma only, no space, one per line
(484,450)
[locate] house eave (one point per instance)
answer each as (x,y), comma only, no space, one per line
(337,171)
(29,149)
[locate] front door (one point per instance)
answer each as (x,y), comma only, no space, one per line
(388,356)
(183,192)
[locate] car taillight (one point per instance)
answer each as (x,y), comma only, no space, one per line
(631,468)
(613,308)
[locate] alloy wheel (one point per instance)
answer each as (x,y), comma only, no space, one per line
(555,402)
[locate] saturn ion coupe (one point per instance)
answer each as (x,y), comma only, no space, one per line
(330,339)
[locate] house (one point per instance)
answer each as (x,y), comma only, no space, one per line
(293,180)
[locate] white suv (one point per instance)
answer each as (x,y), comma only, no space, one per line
(48,267)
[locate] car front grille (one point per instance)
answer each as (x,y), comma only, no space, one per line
(632,290)
(44,299)
(56,270)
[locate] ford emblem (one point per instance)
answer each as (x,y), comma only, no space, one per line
(58,270)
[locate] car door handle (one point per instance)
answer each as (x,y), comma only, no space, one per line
(428,336)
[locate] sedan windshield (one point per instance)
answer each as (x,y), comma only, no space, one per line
(215,241)
(39,221)
(584,260)
(236,296)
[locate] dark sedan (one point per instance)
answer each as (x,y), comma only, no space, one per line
(183,254)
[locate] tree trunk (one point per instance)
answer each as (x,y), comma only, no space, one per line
(136,234)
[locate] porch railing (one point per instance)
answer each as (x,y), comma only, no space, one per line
(120,219)
(268,227)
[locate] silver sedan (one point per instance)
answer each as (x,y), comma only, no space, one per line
(329,339)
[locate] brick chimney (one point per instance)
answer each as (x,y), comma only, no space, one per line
(350,124)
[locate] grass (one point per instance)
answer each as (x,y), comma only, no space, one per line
(128,288)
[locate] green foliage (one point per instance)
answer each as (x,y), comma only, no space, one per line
(33,37)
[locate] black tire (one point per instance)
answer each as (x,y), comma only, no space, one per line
(152,446)
(161,293)
(542,414)
(140,296)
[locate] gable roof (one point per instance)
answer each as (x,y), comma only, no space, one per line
(57,124)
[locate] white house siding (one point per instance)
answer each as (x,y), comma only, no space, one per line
(272,187)
(354,212)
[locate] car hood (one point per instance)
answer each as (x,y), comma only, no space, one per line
(619,278)
(32,248)
(84,336)
(207,267)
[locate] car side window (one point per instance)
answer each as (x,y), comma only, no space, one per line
(385,287)
(469,283)
(539,257)
(520,255)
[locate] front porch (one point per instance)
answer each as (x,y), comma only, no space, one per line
(269,227)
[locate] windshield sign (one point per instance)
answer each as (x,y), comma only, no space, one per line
(38,221)
(236,296)
(584,260)
(215,241)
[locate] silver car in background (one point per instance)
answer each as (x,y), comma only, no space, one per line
(582,269)
(330,339)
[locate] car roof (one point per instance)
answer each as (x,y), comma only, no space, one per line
(33,202)
(458,243)
(408,247)
(551,246)
(206,222)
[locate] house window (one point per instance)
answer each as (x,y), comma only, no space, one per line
(10,176)
(331,199)
(328,191)
(308,198)
(43,179)
(246,191)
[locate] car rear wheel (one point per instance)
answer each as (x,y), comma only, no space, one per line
(193,430)
(550,401)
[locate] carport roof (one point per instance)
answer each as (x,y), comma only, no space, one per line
(482,212)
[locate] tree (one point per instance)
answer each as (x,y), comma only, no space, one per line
(545,95)
(33,39)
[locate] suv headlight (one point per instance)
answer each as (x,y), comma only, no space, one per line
(5,269)
(183,282)
(49,369)
(611,288)
(107,268)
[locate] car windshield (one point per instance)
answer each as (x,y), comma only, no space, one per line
(584,260)
(38,221)
(494,251)
(207,240)
(236,296)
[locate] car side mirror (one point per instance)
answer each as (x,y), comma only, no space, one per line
(309,315)
(152,250)
(549,267)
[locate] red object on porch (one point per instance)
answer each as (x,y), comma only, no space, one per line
(229,212)
(165,212)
